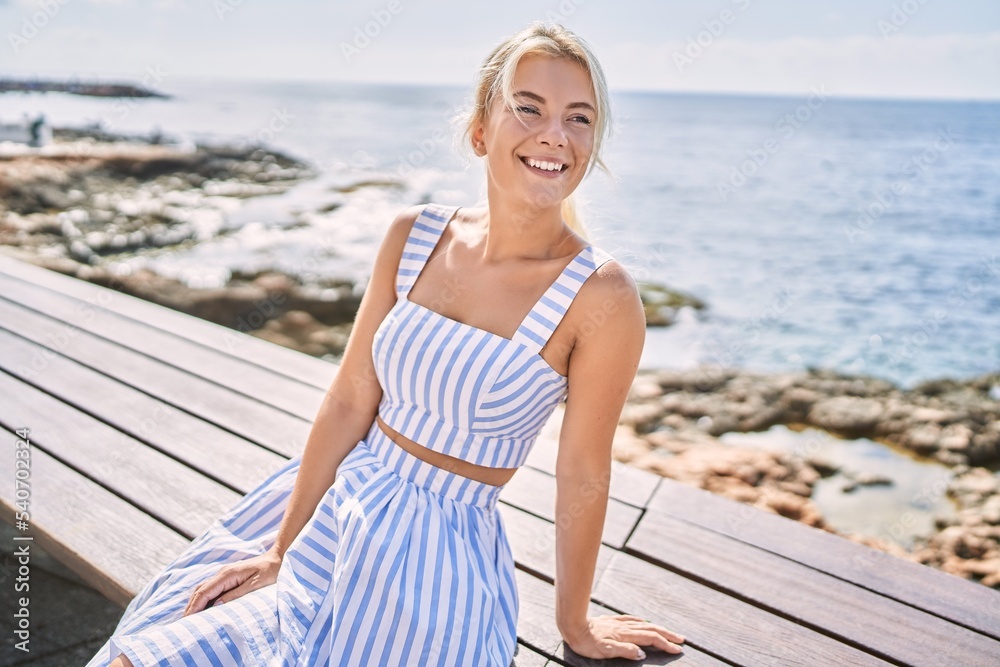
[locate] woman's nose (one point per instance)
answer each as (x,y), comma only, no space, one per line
(552,133)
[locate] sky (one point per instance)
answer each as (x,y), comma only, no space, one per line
(856,48)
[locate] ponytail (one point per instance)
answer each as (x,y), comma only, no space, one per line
(571,215)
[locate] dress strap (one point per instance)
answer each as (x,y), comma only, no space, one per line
(424,236)
(548,311)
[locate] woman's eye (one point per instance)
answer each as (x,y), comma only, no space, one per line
(526,109)
(582,119)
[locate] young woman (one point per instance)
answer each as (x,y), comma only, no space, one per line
(382,544)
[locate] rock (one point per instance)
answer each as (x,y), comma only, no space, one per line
(824,468)
(978,482)
(661,303)
(644,387)
(643,417)
(763,419)
(848,416)
(933,415)
(923,438)
(985,448)
(872,479)
(955,437)
(799,400)
(626,446)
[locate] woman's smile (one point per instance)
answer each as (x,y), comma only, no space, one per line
(545,168)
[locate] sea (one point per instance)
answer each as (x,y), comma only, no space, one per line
(859,235)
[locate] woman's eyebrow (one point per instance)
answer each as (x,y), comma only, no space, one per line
(541,100)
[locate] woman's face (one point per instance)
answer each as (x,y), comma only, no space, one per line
(553,123)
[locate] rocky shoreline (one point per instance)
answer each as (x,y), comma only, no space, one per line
(673,419)
(89,197)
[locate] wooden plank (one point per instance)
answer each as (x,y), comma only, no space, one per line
(228,341)
(963,602)
(628,484)
(160,486)
(711,621)
(113,546)
(535,491)
(525,656)
(536,626)
(876,624)
(252,419)
(228,458)
(240,374)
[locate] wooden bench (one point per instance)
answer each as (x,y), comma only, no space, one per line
(146,424)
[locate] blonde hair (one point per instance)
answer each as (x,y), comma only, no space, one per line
(496,79)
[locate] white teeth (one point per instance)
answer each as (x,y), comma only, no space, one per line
(547,166)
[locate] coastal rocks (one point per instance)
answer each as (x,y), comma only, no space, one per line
(662,303)
(948,421)
(674,419)
(969,544)
(298,330)
(85,198)
(767,480)
(847,416)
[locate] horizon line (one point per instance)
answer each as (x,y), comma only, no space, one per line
(126,80)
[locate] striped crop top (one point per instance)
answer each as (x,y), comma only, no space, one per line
(464,391)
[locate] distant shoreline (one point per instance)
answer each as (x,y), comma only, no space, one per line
(92,89)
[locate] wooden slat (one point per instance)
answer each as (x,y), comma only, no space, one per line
(219,454)
(872,622)
(961,601)
(536,626)
(160,486)
(535,491)
(113,546)
(250,379)
(271,428)
(227,341)
(712,622)
(525,656)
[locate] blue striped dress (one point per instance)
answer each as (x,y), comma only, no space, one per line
(402,562)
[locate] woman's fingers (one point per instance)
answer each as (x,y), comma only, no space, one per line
(616,649)
(653,638)
(669,635)
(208,590)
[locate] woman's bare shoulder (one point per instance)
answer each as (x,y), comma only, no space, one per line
(609,296)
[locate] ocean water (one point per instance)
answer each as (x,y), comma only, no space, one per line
(856,235)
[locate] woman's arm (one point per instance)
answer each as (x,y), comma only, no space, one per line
(350,404)
(344,417)
(602,365)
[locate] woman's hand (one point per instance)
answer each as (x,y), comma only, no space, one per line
(234,580)
(621,636)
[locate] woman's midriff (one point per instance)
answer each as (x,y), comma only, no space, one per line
(484,474)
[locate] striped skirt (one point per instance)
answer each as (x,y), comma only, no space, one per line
(402,563)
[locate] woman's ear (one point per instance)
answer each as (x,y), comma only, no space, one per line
(478,145)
